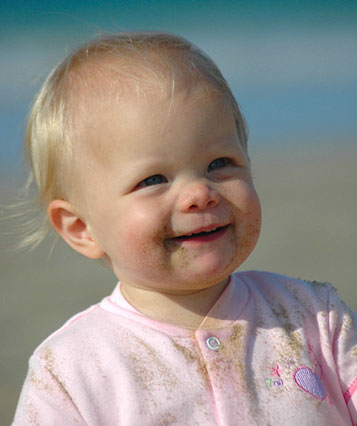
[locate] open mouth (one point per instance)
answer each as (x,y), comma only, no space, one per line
(204,235)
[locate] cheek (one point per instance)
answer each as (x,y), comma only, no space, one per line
(141,231)
(245,199)
(140,255)
(251,220)
(253,208)
(248,214)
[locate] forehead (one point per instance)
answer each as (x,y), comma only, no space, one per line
(140,72)
(111,113)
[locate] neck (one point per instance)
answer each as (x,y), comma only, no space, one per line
(185,310)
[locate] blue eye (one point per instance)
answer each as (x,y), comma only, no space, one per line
(153,180)
(219,163)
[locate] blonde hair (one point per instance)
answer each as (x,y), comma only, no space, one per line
(49,134)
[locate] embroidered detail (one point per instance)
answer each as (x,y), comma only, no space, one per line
(276,383)
(350,391)
(309,382)
(275,371)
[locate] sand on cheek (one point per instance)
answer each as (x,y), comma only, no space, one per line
(154,252)
(250,216)
(249,239)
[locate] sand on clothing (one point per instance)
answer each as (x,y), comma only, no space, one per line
(309,231)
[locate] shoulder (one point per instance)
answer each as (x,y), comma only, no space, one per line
(270,279)
(73,335)
(277,288)
(99,331)
(77,325)
(84,333)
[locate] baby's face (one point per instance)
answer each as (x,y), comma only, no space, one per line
(169,196)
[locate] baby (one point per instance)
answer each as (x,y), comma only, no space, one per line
(139,151)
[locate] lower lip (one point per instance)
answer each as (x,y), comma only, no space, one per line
(213,236)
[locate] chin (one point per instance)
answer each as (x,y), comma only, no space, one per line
(207,279)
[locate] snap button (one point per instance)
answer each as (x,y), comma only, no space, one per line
(213,343)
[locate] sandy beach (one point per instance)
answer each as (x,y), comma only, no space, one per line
(309,231)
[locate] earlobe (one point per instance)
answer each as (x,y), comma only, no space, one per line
(73,229)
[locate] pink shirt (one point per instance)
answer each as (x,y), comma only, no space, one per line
(272,351)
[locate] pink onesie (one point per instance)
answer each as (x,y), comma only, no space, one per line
(272,351)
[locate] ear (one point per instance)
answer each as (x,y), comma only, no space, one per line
(73,229)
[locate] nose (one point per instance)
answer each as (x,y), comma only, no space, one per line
(197,196)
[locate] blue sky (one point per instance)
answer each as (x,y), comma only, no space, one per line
(291,64)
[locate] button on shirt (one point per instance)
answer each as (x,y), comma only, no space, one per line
(213,343)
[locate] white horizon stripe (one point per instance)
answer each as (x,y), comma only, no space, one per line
(247,60)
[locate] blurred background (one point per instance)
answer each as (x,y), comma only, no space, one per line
(292,66)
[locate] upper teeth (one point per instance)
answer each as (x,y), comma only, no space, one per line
(210,230)
(189,234)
